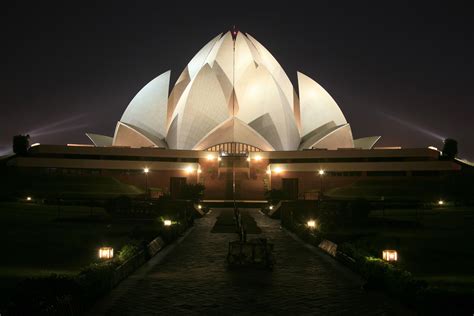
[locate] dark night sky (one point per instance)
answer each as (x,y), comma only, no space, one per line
(391,68)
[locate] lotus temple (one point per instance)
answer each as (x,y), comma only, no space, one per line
(234,122)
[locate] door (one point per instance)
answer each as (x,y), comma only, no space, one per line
(290,188)
(176,187)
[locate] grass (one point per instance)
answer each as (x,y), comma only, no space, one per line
(401,189)
(35,242)
(434,245)
(66,186)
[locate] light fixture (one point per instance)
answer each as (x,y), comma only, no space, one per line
(248,158)
(271,207)
(258,157)
(28,198)
(321,172)
(440,202)
(311,224)
(146,170)
(199,170)
(390,255)
(199,206)
(167,222)
(219,159)
(106,253)
(210,157)
(278,170)
(189,169)
(269,171)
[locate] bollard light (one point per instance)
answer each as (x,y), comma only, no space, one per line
(167,222)
(311,224)
(199,206)
(390,255)
(28,198)
(271,207)
(440,202)
(106,253)
(321,172)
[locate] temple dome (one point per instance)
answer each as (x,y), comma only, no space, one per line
(234,90)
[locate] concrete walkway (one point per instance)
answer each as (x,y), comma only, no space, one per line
(193,279)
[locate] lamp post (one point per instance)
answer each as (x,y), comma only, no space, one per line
(146,170)
(321,174)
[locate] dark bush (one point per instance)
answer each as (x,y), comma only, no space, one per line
(45,296)
(96,279)
(193,192)
(274,195)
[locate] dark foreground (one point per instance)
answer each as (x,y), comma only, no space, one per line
(194,279)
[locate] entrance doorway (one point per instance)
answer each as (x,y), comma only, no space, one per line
(176,187)
(290,188)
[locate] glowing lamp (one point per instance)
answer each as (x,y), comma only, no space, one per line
(269,171)
(278,170)
(248,159)
(199,170)
(189,169)
(210,157)
(106,253)
(167,222)
(271,207)
(219,159)
(28,198)
(146,170)
(390,255)
(311,224)
(258,158)
(440,202)
(199,206)
(321,172)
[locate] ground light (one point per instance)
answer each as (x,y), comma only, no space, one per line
(167,222)
(28,198)
(271,207)
(390,255)
(440,202)
(311,224)
(199,206)
(106,253)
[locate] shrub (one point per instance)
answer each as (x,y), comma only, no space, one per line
(274,195)
(96,279)
(45,296)
(193,192)
(127,252)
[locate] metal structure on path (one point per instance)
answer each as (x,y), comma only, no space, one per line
(257,252)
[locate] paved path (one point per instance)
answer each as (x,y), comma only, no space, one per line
(193,279)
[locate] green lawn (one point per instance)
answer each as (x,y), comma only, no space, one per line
(435,245)
(35,242)
(66,186)
(401,189)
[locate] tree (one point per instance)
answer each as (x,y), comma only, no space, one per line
(450,148)
(21,143)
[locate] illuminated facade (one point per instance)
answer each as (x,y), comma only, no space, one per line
(234,122)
